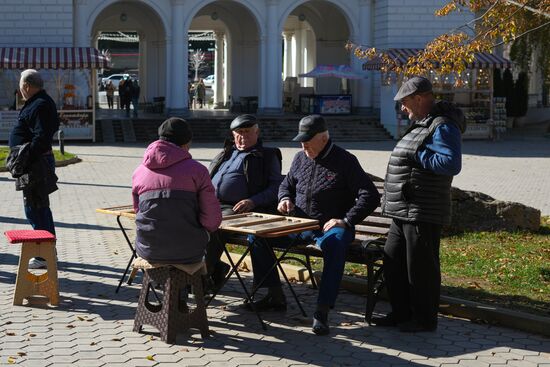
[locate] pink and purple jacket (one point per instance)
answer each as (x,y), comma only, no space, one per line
(176,205)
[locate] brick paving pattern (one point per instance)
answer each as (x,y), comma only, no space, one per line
(93,325)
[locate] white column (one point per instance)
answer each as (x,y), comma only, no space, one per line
(81,36)
(271,73)
(142,67)
(298,55)
(178,69)
(287,70)
(363,88)
(218,71)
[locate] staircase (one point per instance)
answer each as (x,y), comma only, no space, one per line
(349,128)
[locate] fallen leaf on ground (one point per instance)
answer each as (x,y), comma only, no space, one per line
(21,354)
(32,335)
(11,360)
(10,333)
(150,358)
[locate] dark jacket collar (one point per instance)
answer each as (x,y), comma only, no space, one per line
(326,151)
(37,95)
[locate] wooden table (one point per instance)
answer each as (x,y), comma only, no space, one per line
(263,226)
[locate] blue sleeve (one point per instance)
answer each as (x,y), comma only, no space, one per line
(442,153)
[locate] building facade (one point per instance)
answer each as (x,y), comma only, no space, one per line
(258,42)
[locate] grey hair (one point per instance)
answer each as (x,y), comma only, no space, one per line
(33,78)
(325,133)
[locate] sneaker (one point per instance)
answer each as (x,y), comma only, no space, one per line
(267,304)
(320,324)
(37,263)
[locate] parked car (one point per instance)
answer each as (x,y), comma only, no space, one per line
(209,81)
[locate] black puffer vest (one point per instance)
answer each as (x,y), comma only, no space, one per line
(412,193)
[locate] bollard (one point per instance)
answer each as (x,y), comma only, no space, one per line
(61,139)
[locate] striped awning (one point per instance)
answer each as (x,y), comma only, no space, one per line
(52,58)
(401,55)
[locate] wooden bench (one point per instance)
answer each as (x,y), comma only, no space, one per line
(366,249)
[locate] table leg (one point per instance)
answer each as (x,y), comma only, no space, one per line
(131,248)
(235,269)
(273,267)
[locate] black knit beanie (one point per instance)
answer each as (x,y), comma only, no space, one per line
(175,130)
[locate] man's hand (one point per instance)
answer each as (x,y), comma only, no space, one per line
(244,206)
(334,223)
(285,206)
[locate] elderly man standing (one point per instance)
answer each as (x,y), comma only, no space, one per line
(418,198)
(327,183)
(246,176)
(36,125)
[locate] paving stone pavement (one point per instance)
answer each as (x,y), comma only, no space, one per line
(93,325)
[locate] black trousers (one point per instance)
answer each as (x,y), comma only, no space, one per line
(412,271)
(214,248)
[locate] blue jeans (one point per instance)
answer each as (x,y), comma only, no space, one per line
(40,217)
(334,244)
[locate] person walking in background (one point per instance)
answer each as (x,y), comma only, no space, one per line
(30,143)
(135,96)
(417,195)
(200,92)
(110,93)
(127,89)
(121,94)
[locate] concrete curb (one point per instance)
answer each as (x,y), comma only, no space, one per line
(63,163)
(474,311)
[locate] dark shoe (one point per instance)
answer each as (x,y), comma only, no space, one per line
(414,326)
(320,325)
(220,272)
(388,320)
(267,304)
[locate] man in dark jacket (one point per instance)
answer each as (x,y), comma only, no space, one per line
(327,183)
(36,124)
(418,198)
(246,176)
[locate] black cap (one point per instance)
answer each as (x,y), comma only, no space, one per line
(243,121)
(175,130)
(416,84)
(310,126)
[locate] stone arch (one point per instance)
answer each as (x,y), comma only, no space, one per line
(152,24)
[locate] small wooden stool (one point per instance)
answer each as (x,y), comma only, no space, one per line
(36,243)
(171,316)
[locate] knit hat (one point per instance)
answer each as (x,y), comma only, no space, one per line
(175,130)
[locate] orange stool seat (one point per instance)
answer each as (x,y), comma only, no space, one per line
(35,243)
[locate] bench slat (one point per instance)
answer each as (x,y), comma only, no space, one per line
(371,229)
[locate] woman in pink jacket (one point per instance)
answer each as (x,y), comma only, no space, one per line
(174,199)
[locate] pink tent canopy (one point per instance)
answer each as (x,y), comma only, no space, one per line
(333,71)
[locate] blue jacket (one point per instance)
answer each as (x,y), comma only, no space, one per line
(333,185)
(36,124)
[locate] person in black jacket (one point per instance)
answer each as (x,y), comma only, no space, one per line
(327,183)
(417,195)
(36,124)
(246,176)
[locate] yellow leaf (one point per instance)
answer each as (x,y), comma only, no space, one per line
(81,318)
(150,358)
(11,360)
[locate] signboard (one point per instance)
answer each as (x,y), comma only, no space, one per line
(76,124)
(334,104)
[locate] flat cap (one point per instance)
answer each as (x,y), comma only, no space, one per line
(175,130)
(243,121)
(309,126)
(416,84)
